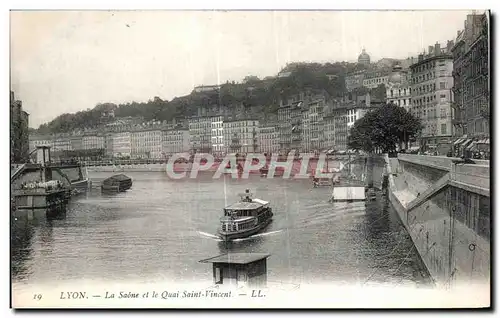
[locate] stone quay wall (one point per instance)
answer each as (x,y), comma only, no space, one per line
(445,206)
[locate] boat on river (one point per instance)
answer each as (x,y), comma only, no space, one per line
(371,194)
(118,183)
(320,182)
(247,217)
(323,180)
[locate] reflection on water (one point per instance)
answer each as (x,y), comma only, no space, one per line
(21,247)
(160,229)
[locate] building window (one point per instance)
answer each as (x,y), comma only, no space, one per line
(443,129)
(442,85)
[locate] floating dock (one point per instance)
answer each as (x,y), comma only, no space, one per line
(40,198)
(348,194)
(71,174)
(44,185)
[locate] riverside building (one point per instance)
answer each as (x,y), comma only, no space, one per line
(431,95)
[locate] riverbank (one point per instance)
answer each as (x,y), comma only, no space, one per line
(444,205)
(188,167)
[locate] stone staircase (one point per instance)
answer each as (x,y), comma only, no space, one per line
(423,197)
(16,170)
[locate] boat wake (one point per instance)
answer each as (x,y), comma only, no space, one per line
(216,238)
(257,235)
(327,214)
(208,235)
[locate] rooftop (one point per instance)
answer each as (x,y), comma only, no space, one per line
(246,205)
(241,120)
(428,58)
(120,177)
(238,219)
(236,258)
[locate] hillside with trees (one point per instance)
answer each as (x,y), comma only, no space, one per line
(251,92)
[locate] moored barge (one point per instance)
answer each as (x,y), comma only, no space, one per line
(118,183)
(41,195)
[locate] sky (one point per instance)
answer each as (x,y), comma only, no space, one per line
(68,61)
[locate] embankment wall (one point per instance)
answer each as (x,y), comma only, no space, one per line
(445,206)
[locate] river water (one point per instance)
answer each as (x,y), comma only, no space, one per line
(160,229)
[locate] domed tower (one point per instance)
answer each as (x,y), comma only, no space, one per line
(396,76)
(364,58)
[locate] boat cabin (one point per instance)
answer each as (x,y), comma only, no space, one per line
(240,269)
(243,215)
(244,218)
(246,207)
(240,209)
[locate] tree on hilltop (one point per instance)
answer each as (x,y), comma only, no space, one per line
(251,79)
